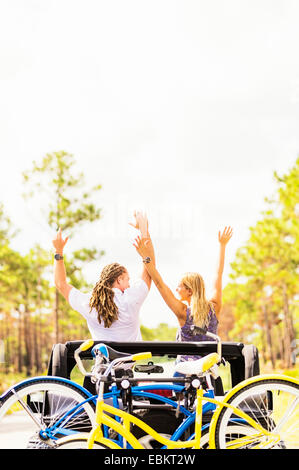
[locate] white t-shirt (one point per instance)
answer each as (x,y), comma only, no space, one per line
(126,327)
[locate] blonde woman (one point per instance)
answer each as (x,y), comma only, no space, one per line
(192,307)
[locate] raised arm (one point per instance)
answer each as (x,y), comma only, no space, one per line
(223,239)
(141,224)
(143,248)
(59,267)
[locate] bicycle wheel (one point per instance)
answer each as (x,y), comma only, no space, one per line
(270,402)
(77,442)
(36,412)
(233,431)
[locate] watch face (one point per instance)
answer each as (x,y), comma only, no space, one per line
(58,257)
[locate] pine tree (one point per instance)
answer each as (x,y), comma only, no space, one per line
(68,208)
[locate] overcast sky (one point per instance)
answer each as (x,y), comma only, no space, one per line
(182,108)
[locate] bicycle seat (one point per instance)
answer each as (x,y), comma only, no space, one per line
(199,366)
(109,352)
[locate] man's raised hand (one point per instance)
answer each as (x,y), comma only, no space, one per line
(59,243)
(140,223)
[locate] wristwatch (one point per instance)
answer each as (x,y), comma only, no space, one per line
(147,260)
(58,257)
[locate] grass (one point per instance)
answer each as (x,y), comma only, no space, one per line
(9,379)
(6,381)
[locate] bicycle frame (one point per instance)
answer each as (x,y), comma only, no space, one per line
(142,391)
(104,417)
(137,391)
(124,429)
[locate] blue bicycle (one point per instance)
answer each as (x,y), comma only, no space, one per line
(46,408)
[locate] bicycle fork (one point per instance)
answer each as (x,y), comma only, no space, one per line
(198,417)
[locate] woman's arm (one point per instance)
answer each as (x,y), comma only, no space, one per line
(59,267)
(217,294)
(143,248)
(141,224)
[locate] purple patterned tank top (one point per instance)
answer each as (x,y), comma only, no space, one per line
(185,334)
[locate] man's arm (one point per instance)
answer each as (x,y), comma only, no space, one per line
(141,223)
(217,294)
(59,267)
(145,275)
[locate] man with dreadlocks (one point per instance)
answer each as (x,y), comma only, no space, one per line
(112,308)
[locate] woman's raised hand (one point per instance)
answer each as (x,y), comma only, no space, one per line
(225,236)
(142,246)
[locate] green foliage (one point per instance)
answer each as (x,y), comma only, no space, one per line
(69,207)
(162,332)
(262,293)
(32,316)
(9,379)
(69,203)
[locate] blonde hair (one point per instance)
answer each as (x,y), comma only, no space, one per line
(200,307)
(102,295)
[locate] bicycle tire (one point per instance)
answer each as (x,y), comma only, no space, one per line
(166,423)
(49,400)
(78,442)
(232,431)
(271,402)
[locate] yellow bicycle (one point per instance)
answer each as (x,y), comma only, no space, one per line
(259,413)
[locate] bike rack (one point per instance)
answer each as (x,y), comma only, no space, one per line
(243,359)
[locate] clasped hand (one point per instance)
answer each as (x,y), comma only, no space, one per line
(142,246)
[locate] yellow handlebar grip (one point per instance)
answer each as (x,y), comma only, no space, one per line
(86,345)
(141,356)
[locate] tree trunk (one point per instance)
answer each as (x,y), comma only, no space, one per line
(37,324)
(269,345)
(20,343)
(281,343)
(263,347)
(289,332)
(27,341)
(27,334)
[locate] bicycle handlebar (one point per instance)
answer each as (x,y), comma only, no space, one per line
(141,356)
(86,345)
(203,331)
(135,357)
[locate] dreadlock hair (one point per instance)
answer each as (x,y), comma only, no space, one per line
(102,294)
